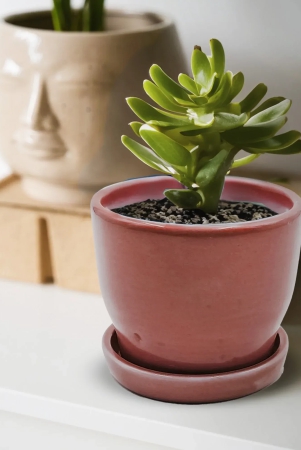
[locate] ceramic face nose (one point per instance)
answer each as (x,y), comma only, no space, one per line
(38,115)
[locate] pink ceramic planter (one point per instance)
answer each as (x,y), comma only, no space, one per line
(196,299)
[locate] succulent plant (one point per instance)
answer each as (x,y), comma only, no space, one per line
(198,128)
(89,18)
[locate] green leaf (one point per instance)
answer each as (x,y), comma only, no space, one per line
(188,83)
(160,98)
(144,154)
(184,198)
(199,101)
(193,132)
(166,84)
(211,178)
(58,17)
(231,108)
(216,85)
(243,161)
(201,118)
(57,24)
(222,93)
(188,130)
(96,15)
(225,121)
(209,88)
(276,143)
(267,104)
(218,57)
(237,85)
(270,113)
(201,68)
(291,150)
(253,98)
(66,7)
(86,16)
(215,168)
(165,147)
(255,133)
(153,116)
(136,127)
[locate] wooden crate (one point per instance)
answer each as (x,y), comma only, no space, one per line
(43,243)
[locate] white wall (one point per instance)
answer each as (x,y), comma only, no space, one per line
(261,37)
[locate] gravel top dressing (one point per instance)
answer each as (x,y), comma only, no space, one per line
(164,211)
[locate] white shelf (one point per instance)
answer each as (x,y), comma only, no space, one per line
(52,368)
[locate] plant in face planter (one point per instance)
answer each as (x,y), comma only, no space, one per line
(64,75)
(199,297)
(89,18)
(200,130)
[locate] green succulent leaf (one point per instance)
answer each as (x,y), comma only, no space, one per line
(201,68)
(252,99)
(237,85)
(136,127)
(199,101)
(222,122)
(243,161)
(276,143)
(188,83)
(267,104)
(211,178)
(291,150)
(223,91)
(215,167)
(209,88)
(144,154)
(192,132)
(218,57)
(168,85)
(153,116)
(160,98)
(254,133)
(184,198)
(270,113)
(226,121)
(231,108)
(165,147)
(201,118)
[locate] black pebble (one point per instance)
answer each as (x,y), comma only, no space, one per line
(164,211)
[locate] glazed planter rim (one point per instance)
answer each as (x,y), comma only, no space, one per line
(101,201)
(161,21)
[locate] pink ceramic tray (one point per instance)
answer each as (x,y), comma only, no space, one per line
(204,388)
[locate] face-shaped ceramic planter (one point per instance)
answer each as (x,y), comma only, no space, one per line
(197,298)
(63,107)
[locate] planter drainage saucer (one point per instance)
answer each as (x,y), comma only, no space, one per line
(186,388)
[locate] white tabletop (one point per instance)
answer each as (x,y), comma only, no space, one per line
(52,368)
